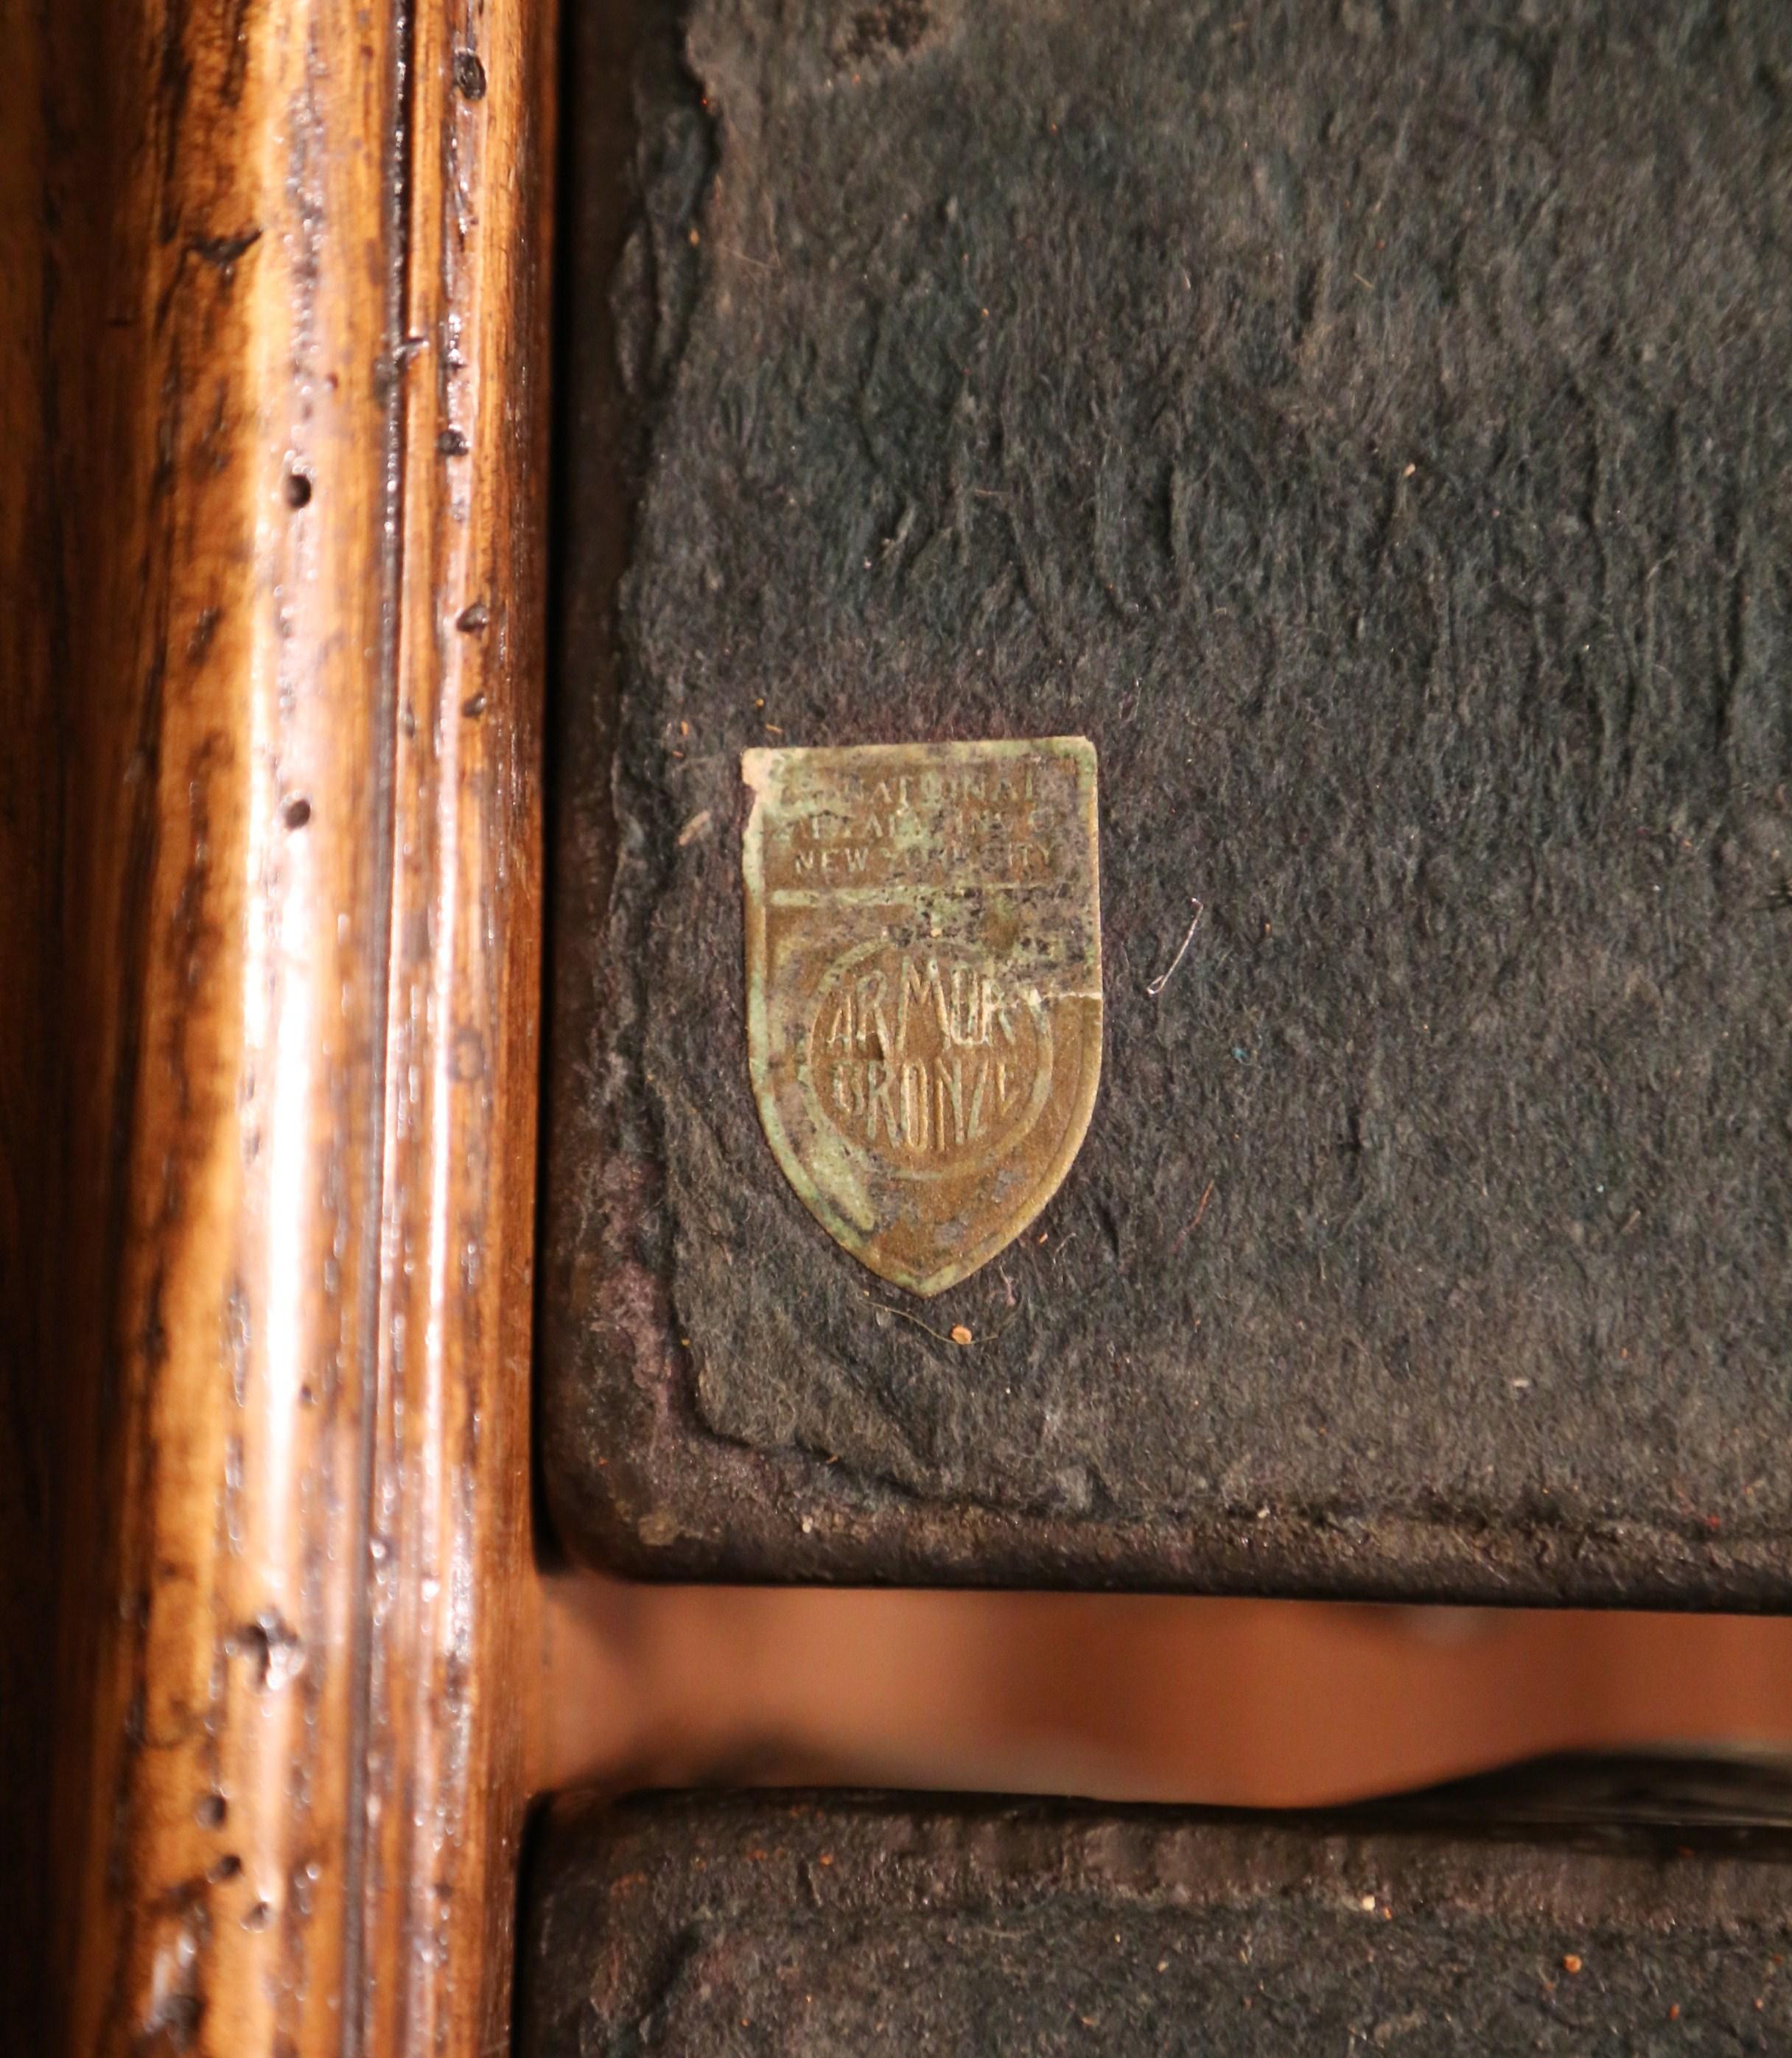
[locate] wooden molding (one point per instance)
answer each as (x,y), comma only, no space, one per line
(451,1584)
(294,835)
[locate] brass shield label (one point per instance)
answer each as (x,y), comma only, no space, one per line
(924,988)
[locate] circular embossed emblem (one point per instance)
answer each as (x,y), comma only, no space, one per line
(932,1062)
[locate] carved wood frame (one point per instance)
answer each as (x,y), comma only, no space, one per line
(282,318)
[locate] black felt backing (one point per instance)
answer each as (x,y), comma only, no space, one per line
(854,1926)
(1369,424)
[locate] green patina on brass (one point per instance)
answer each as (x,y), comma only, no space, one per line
(924,988)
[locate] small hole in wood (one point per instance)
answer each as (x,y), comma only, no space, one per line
(211,1811)
(296,813)
(298,490)
(470,74)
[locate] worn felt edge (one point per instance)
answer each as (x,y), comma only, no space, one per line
(614,1885)
(672,1499)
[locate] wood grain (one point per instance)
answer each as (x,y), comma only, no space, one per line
(231,947)
(296,911)
(450,1540)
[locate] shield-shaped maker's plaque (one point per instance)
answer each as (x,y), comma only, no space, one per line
(924,988)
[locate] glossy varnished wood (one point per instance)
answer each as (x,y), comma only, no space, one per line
(450,1540)
(282,942)
(232,943)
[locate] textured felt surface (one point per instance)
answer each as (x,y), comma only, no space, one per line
(1369,424)
(864,1926)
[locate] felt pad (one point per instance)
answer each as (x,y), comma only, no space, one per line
(866,1926)
(1367,423)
